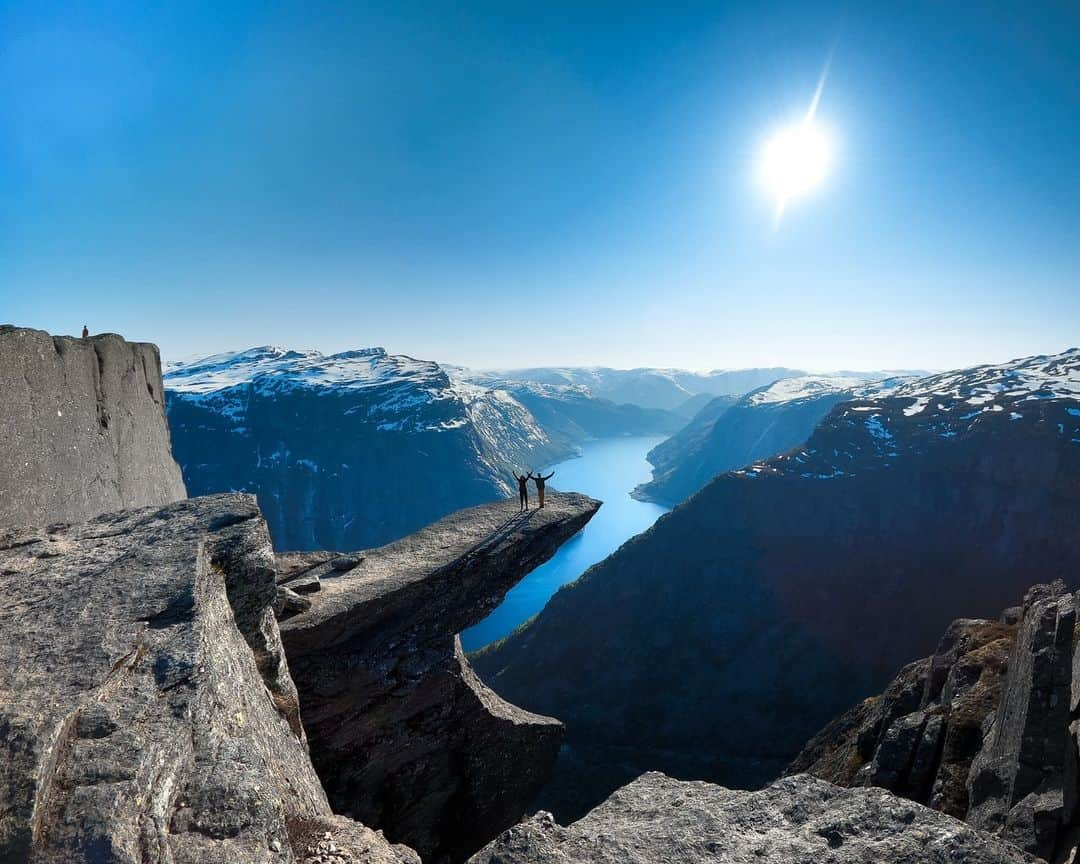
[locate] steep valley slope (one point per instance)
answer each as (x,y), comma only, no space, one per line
(715,644)
(729,432)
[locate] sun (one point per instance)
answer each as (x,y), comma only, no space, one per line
(795,161)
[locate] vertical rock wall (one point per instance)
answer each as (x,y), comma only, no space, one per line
(82,428)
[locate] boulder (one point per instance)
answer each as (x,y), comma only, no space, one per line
(147,713)
(82,428)
(797,820)
(403,734)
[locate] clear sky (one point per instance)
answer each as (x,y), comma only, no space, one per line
(508,183)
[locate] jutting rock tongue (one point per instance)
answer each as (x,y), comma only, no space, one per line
(403,734)
(82,428)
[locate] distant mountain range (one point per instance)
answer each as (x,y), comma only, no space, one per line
(779,595)
(667,389)
(571,414)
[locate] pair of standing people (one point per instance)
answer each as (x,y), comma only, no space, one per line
(523,487)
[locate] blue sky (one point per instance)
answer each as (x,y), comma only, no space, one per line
(501,184)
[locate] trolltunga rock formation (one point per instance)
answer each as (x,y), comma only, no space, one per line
(797,820)
(404,736)
(82,428)
(146,710)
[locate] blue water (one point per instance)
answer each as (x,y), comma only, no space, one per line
(608,469)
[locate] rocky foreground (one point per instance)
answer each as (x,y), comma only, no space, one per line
(146,708)
(797,820)
(148,712)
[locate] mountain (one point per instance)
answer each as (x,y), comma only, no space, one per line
(729,433)
(349,450)
(667,389)
(692,406)
(570,415)
(716,643)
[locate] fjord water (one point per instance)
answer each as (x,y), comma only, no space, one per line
(607,469)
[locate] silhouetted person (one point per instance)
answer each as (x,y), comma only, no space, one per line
(523,491)
(540,480)
(85,331)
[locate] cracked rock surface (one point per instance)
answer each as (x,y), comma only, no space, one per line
(82,428)
(403,734)
(146,710)
(797,820)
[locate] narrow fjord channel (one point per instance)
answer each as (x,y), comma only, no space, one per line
(607,469)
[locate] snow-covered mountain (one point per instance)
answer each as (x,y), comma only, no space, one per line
(666,389)
(880,427)
(346,450)
(729,433)
(784,592)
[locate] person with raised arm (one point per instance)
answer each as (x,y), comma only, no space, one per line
(523,490)
(539,479)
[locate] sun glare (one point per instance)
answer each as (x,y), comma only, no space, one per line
(794,162)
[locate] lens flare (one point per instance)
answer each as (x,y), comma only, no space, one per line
(795,161)
(797,158)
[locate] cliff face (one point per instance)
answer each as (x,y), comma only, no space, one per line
(146,709)
(347,450)
(722,639)
(984,729)
(402,733)
(798,820)
(82,428)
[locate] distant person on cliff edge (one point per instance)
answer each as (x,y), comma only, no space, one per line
(523,490)
(85,331)
(540,480)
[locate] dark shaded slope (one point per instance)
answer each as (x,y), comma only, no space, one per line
(715,644)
